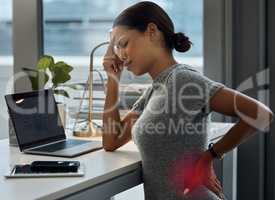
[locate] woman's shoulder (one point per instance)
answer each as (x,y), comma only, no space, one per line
(183,72)
(186,67)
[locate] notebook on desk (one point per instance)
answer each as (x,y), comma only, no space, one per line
(38,127)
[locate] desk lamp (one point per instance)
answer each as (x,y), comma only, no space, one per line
(91,130)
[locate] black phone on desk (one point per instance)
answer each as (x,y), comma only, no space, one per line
(54,166)
(46,169)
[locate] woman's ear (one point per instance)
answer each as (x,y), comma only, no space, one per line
(152,31)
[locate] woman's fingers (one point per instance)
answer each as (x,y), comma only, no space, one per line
(113,61)
(216,181)
(215,178)
(218,184)
(215,187)
(110,63)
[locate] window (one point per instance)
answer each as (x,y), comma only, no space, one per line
(73,28)
(6,60)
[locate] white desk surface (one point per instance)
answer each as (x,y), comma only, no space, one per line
(100,166)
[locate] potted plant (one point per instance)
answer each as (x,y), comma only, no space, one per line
(58,73)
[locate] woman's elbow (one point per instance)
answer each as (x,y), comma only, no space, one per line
(109,145)
(109,148)
(265,119)
(261,121)
(271,116)
(109,142)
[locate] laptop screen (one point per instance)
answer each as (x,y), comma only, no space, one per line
(35,118)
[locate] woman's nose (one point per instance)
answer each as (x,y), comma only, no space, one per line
(122,55)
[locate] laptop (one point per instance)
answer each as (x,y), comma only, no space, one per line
(38,127)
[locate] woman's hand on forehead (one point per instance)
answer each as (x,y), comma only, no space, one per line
(112,38)
(110,49)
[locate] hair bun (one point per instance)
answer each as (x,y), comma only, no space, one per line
(181,42)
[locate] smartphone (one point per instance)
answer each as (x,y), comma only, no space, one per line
(39,169)
(54,166)
(22,169)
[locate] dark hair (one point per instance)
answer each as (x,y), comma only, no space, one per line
(141,14)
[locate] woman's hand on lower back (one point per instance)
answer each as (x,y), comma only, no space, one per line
(204,174)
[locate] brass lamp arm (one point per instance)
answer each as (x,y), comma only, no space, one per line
(90,91)
(89,86)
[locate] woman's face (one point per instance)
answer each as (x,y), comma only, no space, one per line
(134,48)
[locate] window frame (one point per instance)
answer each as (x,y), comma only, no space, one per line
(217,65)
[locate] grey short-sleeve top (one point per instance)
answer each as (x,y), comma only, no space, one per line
(172,130)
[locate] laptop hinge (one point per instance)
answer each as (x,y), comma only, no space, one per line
(45,144)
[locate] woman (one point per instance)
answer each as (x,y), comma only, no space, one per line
(169,121)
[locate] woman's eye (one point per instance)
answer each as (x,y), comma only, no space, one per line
(123,44)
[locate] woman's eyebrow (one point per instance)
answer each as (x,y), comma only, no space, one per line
(113,41)
(120,38)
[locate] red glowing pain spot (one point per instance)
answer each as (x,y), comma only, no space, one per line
(182,176)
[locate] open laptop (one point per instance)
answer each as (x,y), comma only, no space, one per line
(38,127)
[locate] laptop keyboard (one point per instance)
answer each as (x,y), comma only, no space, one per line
(61,145)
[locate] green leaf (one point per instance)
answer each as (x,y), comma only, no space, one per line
(45,62)
(60,74)
(38,78)
(62,92)
(66,68)
(60,77)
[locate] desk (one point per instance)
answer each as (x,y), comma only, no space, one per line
(106,173)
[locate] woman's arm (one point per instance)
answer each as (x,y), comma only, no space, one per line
(116,132)
(252,114)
